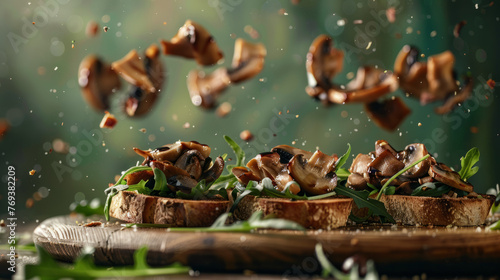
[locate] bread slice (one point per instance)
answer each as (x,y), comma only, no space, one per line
(315,214)
(421,210)
(133,207)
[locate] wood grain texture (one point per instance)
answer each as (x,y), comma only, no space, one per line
(402,249)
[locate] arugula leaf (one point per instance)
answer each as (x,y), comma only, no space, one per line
(390,190)
(330,270)
(362,199)
(342,160)
(342,174)
(495,226)
(238,151)
(386,185)
(84,267)
(160,181)
(496,205)
(467,163)
(433,189)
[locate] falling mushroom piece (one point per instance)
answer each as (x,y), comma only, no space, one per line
(193,41)
(4,127)
(204,89)
(388,114)
(248,60)
(97,81)
(133,70)
(108,121)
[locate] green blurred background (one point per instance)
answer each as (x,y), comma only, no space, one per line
(41,99)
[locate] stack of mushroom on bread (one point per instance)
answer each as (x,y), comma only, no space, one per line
(298,172)
(429,193)
(149,193)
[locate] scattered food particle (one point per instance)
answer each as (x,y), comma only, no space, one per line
(433,33)
(354,241)
(474,129)
(143,130)
(2,223)
(391,14)
(92,29)
(251,31)
(60,146)
(296,116)
(33,23)
(93,224)
(419,124)
(246,135)
(224,109)
(186,125)
(4,127)
(458,27)
(369,45)
(491,83)
(105,28)
(32,172)
(164,23)
(37,196)
(29,202)
(282,12)
(398,35)
(358,21)
(108,121)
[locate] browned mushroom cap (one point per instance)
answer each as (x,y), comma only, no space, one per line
(141,101)
(360,164)
(381,146)
(455,99)
(356,182)
(323,62)
(440,77)
(204,89)
(133,70)
(248,60)
(177,178)
(286,153)
(389,113)
(316,176)
(244,176)
(213,172)
(202,148)
(193,41)
(191,161)
(136,177)
(386,164)
(450,178)
(411,74)
(97,81)
(410,155)
(171,152)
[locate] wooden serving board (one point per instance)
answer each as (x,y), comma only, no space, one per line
(396,250)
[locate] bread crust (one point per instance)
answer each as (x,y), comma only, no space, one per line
(315,214)
(133,207)
(421,210)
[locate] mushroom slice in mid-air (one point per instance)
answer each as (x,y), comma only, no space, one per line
(389,113)
(131,67)
(140,101)
(455,99)
(248,60)
(193,41)
(97,81)
(205,89)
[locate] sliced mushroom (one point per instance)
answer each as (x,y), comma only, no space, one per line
(283,179)
(268,164)
(194,145)
(450,178)
(244,176)
(389,113)
(133,70)
(183,183)
(248,60)
(286,152)
(424,180)
(386,164)
(440,77)
(97,81)
(410,155)
(356,182)
(381,146)
(168,169)
(171,152)
(136,177)
(360,164)
(214,172)
(205,89)
(191,161)
(323,62)
(141,101)
(193,41)
(314,179)
(406,188)
(411,74)
(455,99)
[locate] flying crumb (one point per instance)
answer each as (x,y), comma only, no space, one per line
(358,21)
(4,127)
(251,31)
(29,202)
(474,129)
(419,124)
(143,130)
(224,109)
(108,121)
(93,224)
(491,83)
(246,135)
(186,125)
(92,29)
(105,28)
(391,14)
(32,172)
(458,27)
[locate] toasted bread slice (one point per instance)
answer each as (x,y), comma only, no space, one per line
(316,214)
(133,207)
(413,210)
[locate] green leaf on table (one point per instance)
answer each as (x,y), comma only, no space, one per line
(467,163)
